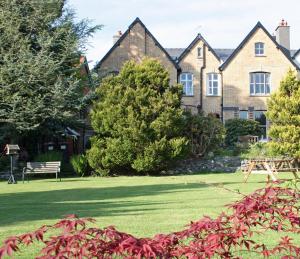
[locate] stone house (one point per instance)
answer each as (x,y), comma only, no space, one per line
(229,83)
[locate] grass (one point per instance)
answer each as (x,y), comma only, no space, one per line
(142,206)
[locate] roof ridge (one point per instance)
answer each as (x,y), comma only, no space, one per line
(117,43)
(196,39)
(245,40)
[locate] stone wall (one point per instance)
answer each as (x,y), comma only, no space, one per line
(215,164)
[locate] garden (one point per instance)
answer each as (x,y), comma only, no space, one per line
(131,192)
(141,206)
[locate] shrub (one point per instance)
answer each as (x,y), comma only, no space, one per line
(49,156)
(240,127)
(258,150)
(205,133)
(65,169)
(283,113)
(80,165)
(138,121)
(4,162)
(266,211)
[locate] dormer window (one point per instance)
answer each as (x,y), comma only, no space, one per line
(200,53)
(259,49)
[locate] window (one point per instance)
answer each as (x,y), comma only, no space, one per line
(199,53)
(259,83)
(212,84)
(261,118)
(244,115)
(186,79)
(259,49)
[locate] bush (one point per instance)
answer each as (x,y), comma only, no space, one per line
(258,150)
(271,211)
(4,162)
(240,127)
(283,114)
(80,165)
(205,133)
(49,156)
(138,121)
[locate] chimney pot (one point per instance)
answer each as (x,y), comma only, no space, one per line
(117,36)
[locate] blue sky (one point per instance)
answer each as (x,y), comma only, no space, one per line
(175,23)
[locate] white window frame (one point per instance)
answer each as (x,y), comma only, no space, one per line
(185,81)
(210,84)
(259,49)
(260,83)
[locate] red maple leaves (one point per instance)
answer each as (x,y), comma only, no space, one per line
(269,209)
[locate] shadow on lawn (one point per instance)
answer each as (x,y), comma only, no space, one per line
(86,202)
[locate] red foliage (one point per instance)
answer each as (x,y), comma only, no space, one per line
(268,209)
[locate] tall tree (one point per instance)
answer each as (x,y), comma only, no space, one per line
(138,121)
(40,48)
(284,115)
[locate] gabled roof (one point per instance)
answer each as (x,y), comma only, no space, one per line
(175,52)
(256,27)
(137,20)
(296,53)
(195,41)
(223,54)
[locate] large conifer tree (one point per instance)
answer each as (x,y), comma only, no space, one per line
(138,121)
(284,115)
(40,82)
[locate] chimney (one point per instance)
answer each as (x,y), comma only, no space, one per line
(283,34)
(117,36)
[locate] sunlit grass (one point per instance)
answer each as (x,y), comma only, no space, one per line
(141,206)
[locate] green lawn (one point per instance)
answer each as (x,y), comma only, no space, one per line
(142,206)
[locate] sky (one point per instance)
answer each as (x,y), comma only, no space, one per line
(175,23)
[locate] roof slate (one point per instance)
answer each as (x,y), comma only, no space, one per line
(223,54)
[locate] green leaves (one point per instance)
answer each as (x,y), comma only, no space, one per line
(138,120)
(240,127)
(284,115)
(40,48)
(205,133)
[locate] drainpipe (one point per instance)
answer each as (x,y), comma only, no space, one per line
(222,97)
(201,76)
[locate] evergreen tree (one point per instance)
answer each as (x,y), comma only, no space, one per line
(40,82)
(138,120)
(284,115)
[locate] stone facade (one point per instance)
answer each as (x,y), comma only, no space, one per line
(136,44)
(236,76)
(220,77)
(200,67)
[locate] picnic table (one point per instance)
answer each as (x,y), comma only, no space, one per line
(269,166)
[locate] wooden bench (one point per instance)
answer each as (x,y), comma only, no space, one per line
(42,168)
(271,167)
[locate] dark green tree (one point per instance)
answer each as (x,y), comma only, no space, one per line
(138,121)
(284,115)
(40,80)
(239,127)
(205,133)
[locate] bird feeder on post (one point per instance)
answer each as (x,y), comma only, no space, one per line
(11,150)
